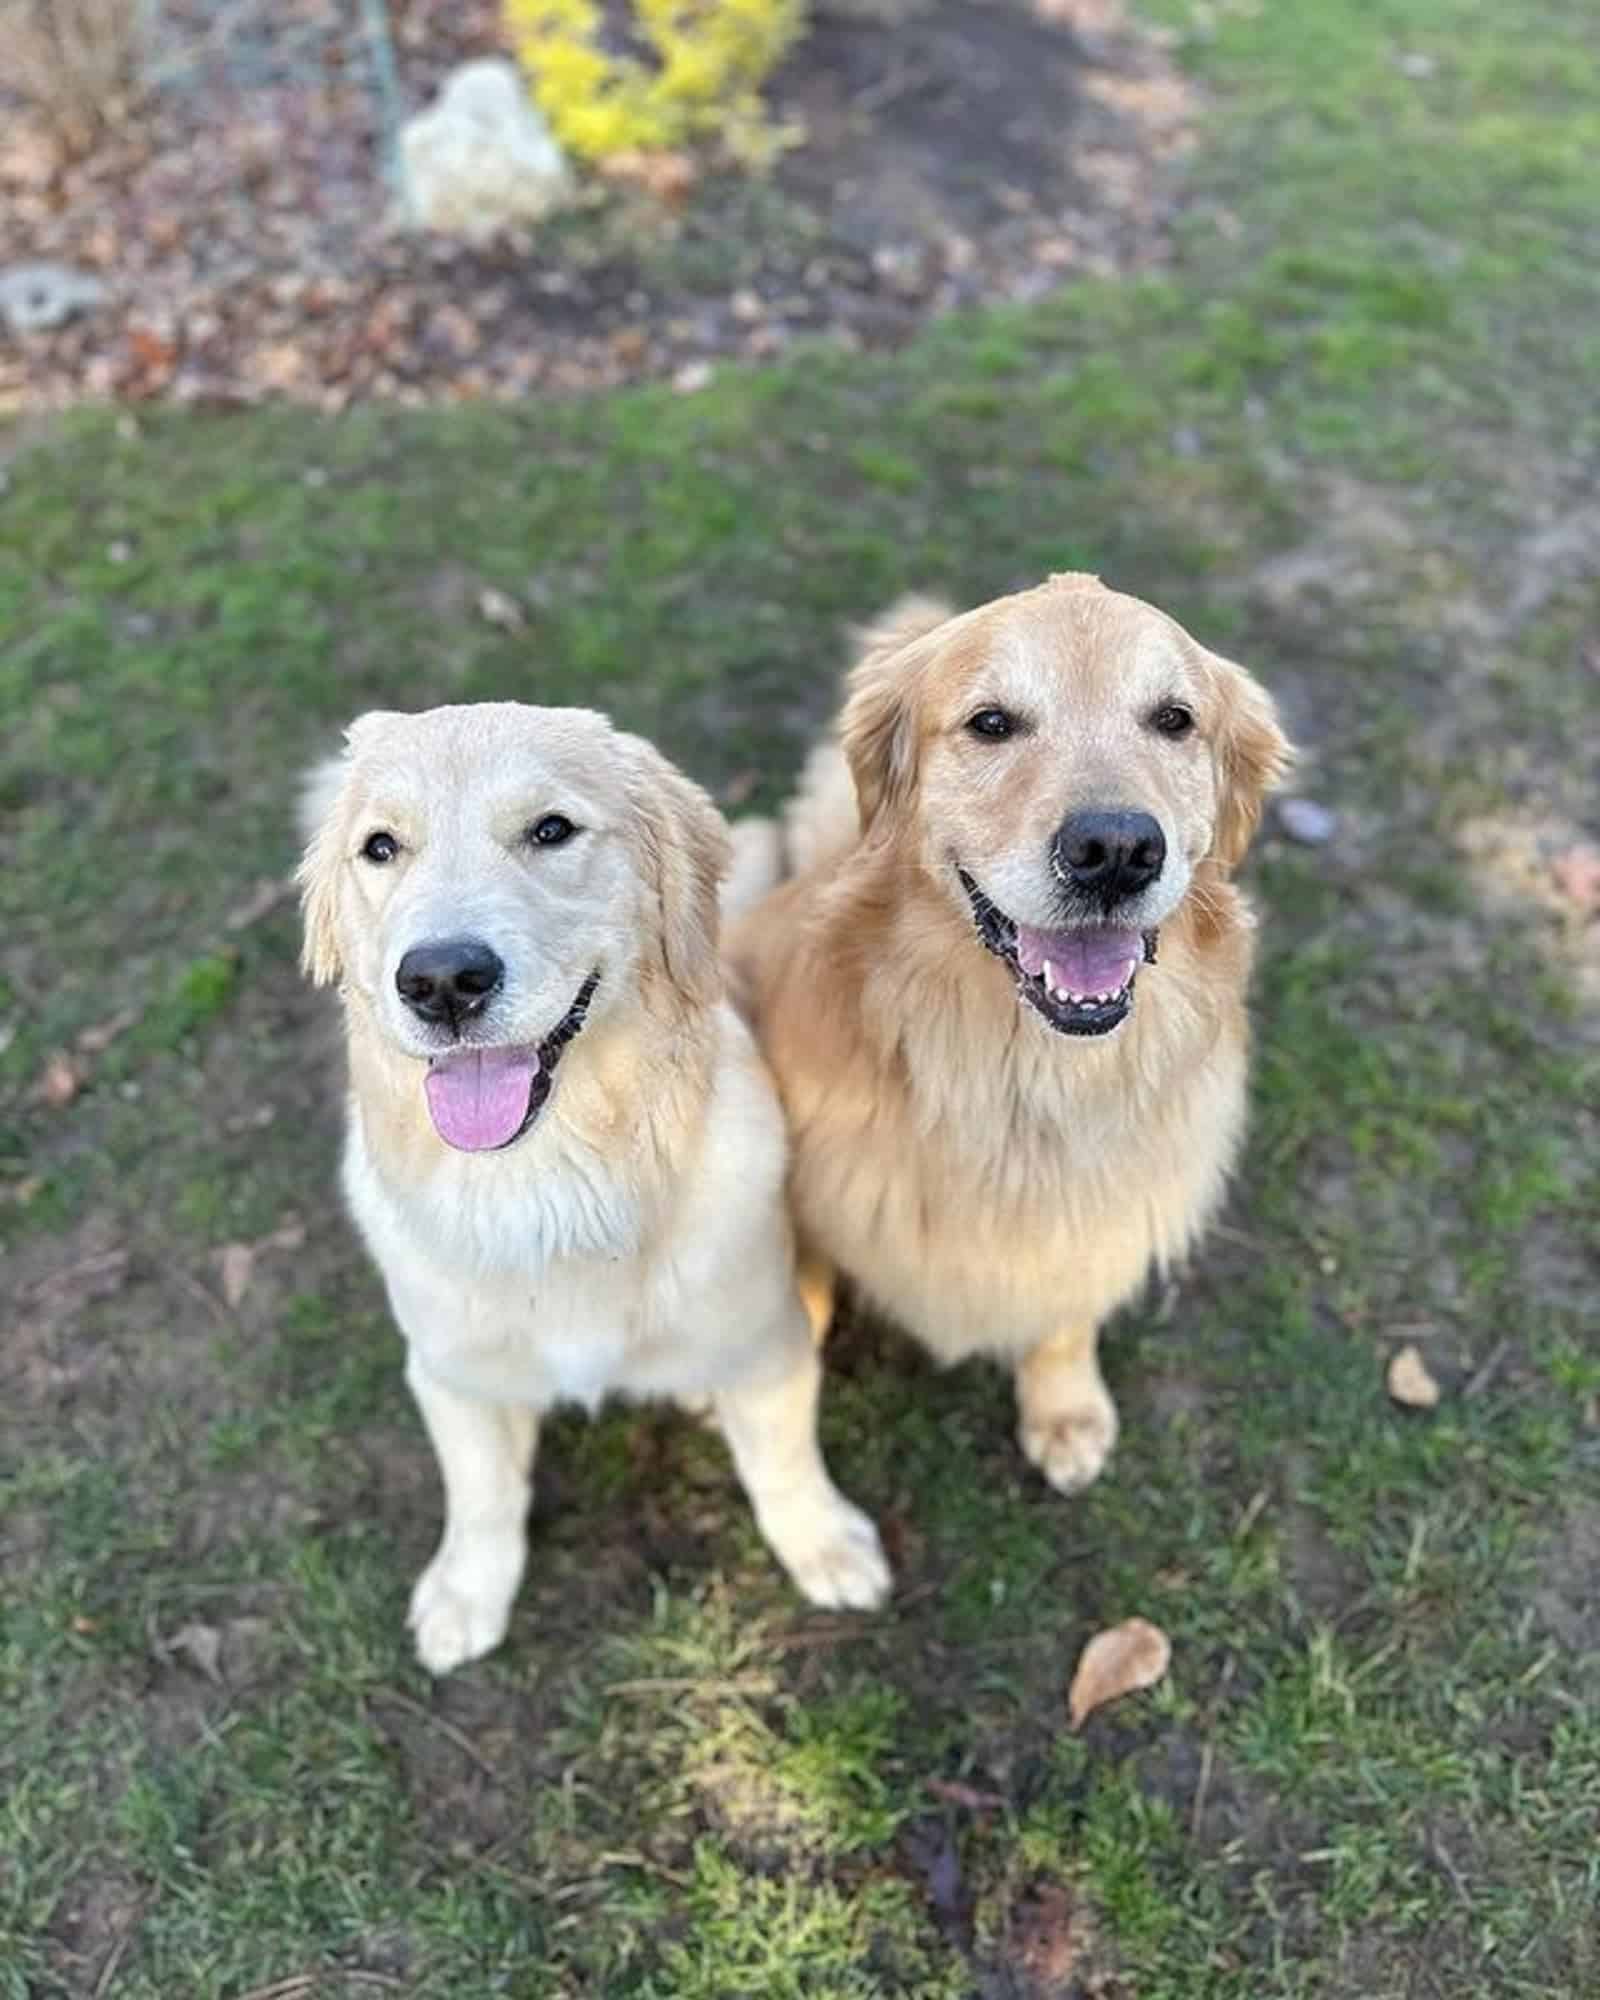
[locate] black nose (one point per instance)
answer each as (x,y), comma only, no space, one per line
(448,979)
(1109,855)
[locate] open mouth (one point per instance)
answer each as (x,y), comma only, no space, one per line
(483,1099)
(1080,980)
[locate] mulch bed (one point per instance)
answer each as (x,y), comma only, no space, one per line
(244,233)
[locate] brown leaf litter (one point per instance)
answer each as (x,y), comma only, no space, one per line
(242,233)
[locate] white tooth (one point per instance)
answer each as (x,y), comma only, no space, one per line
(1049,977)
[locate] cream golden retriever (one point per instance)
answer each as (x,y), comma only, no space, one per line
(1003,993)
(562,1148)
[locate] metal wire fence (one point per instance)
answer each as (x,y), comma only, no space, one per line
(236,51)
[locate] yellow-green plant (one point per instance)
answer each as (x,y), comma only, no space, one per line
(711,58)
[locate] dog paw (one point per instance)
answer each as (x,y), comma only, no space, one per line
(1070,1445)
(837,1561)
(452,1624)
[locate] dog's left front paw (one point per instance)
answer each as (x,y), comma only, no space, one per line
(1070,1444)
(836,1560)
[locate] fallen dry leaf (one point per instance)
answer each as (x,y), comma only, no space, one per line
(1044,1942)
(666,177)
(1577,876)
(151,350)
(94,1041)
(1409,1381)
(954,1793)
(29,158)
(236,1262)
(60,1081)
(203,1645)
(1118,1661)
(280,364)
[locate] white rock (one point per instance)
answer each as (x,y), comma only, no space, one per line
(1312,825)
(481,158)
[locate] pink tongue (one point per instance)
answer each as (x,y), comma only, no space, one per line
(479,1098)
(1086,962)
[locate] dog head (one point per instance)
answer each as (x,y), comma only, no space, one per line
(1064,761)
(485,881)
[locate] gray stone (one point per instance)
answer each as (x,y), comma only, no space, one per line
(481,158)
(1307,822)
(35,298)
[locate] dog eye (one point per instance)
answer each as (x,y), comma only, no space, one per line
(994,723)
(552,830)
(380,847)
(1172,719)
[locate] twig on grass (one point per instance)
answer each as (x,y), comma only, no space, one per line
(283,1989)
(1439,1855)
(1254,1509)
(1208,1757)
(855,1628)
(1487,1369)
(1208,1750)
(301,1983)
(213,1305)
(752,1683)
(108,1971)
(459,1738)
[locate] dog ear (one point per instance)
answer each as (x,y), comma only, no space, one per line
(321,822)
(876,727)
(687,852)
(320,817)
(1253,757)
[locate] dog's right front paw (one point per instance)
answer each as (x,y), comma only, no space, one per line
(453,1623)
(835,1558)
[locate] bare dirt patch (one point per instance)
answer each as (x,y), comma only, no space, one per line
(1566,1596)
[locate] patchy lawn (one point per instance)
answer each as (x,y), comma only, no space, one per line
(1352,436)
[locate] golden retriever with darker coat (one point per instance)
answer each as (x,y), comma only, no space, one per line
(1003,990)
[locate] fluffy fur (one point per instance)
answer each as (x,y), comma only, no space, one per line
(992,1184)
(632,1239)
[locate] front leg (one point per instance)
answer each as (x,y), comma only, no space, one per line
(818,1284)
(462,1601)
(829,1547)
(1067,1422)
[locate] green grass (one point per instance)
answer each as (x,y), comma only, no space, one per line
(1341,435)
